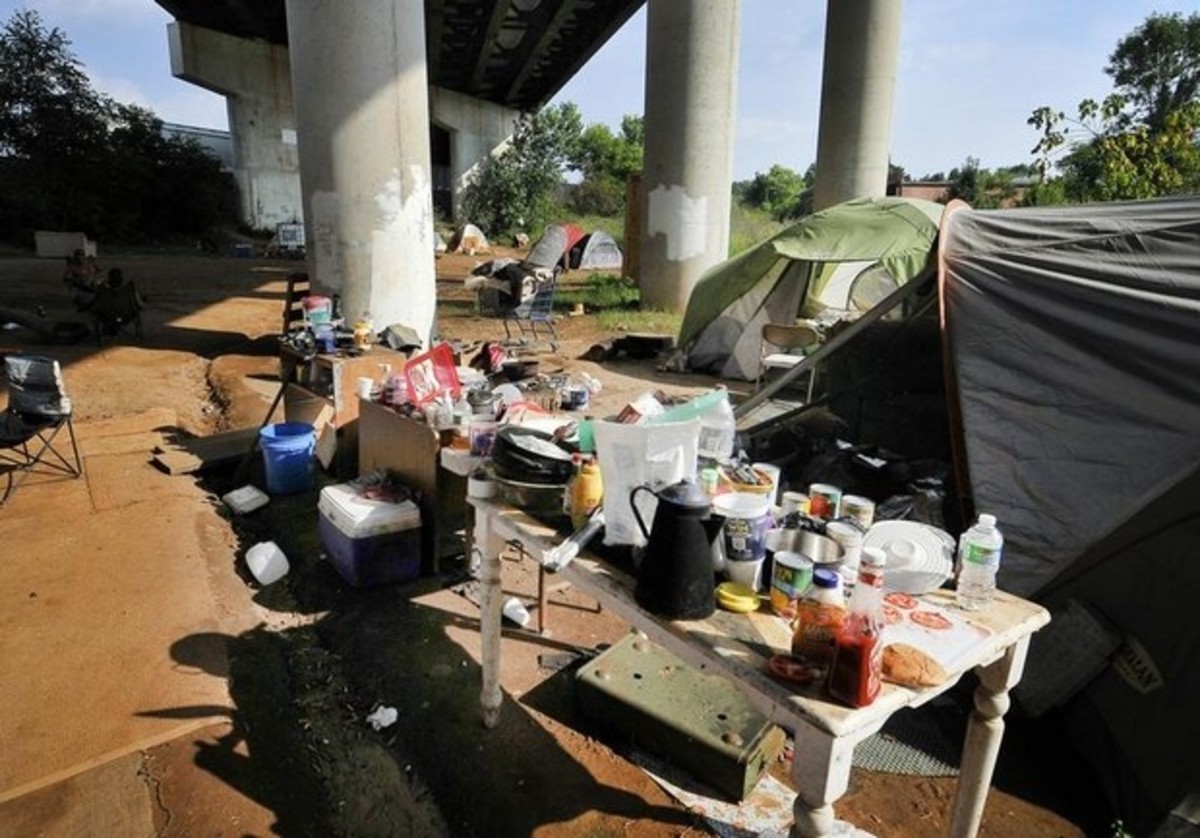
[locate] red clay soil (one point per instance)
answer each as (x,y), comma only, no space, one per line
(274,740)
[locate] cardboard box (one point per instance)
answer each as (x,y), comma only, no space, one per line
(370,542)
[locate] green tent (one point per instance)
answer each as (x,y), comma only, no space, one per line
(813,265)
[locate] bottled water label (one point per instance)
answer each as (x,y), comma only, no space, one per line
(979,554)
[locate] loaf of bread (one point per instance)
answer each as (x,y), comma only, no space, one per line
(908,666)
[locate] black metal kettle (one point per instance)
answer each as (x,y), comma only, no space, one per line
(675,579)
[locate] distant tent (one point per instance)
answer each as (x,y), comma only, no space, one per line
(596,251)
(470,239)
(845,257)
(554,246)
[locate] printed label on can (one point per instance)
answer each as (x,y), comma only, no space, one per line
(824,501)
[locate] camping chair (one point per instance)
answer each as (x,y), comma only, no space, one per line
(116,308)
(537,309)
(783,347)
(38,408)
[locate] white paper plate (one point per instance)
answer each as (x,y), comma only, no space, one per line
(920,557)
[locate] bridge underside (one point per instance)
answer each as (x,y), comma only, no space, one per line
(515,53)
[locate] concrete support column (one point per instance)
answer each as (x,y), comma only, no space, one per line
(477,128)
(362,109)
(691,91)
(256,80)
(862,45)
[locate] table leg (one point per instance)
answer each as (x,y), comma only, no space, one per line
(543,600)
(985,729)
(490,596)
(821,772)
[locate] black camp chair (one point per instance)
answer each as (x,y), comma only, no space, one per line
(115,309)
(38,409)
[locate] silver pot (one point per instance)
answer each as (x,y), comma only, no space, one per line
(822,550)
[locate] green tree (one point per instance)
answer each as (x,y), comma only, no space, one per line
(72,158)
(1140,141)
(779,191)
(1119,161)
(514,189)
(979,187)
(1156,67)
(52,124)
(606,160)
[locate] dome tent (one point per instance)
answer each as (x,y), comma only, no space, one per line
(597,251)
(813,263)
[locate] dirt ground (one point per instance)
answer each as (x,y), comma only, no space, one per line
(275,742)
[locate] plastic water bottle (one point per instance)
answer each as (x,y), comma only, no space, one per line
(979,550)
(718,428)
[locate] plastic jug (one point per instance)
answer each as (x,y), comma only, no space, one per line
(267,562)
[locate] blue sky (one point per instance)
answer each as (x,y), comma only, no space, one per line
(970,72)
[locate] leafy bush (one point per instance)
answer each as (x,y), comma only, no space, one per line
(602,292)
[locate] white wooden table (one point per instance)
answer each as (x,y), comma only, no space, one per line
(737,646)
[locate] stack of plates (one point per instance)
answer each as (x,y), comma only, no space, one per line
(920,557)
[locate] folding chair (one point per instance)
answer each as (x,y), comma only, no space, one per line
(779,350)
(38,409)
(114,309)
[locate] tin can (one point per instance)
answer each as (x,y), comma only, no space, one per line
(794,502)
(861,509)
(709,478)
(824,501)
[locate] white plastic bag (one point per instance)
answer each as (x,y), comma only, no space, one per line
(636,455)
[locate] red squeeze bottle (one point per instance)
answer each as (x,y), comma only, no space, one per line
(856,674)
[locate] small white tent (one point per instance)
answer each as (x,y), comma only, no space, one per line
(597,251)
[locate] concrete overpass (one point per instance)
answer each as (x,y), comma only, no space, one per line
(486,62)
(345,94)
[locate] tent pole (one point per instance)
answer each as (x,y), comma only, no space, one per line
(888,303)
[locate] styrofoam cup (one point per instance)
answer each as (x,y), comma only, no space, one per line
(747,572)
(364,387)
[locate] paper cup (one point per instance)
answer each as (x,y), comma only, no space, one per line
(791,574)
(364,387)
(748,572)
(851,539)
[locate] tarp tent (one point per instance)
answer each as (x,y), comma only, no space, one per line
(772,281)
(554,246)
(597,251)
(470,239)
(1073,335)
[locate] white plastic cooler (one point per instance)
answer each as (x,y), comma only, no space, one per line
(370,542)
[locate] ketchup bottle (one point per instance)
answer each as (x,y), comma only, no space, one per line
(855,675)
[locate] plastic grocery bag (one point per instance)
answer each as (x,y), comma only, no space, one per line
(636,455)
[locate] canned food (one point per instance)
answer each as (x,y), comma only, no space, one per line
(861,509)
(824,501)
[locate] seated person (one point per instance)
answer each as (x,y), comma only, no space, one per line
(82,275)
(116,301)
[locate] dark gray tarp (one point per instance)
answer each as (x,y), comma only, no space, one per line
(1074,340)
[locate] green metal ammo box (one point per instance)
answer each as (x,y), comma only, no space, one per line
(698,722)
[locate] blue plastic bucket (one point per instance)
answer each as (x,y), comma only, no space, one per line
(288,454)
